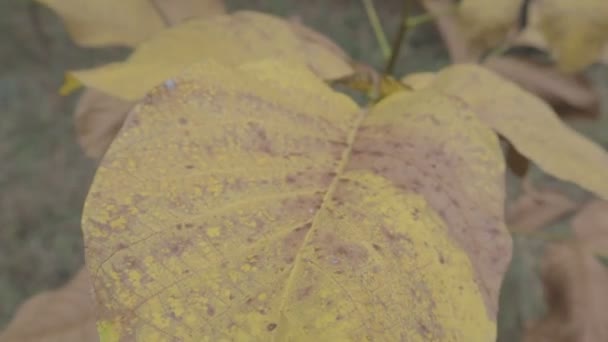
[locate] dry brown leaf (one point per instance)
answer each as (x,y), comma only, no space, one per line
(591,226)
(536,208)
(98,118)
(575,285)
(546,82)
(63,315)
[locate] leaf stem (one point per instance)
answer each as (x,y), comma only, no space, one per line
(403,29)
(165,19)
(374,21)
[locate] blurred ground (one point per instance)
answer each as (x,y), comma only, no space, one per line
(44,176)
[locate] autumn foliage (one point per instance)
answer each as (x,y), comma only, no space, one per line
(240,197)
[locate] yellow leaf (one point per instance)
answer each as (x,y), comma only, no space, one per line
(576,31)
(98,118)
(232,39)
(487,23)
(257,204)
(96,23)
(367,80)
(529,124)
(70,84)
(418,80)
(63,315)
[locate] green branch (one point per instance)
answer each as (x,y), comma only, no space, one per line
(374,21)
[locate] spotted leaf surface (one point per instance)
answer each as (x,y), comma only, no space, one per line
(232,39)
(257,204)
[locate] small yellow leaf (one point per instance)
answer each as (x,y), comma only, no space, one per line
(232,39)
(98,118)
(529,124)
(66,314)
(70,84)
(96,23)
(576,31)
(255,203)
(487,23)
(367,80)
(418,80)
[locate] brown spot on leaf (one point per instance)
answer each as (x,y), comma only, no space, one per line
(271,326)
(183,121)
(302,293)
(210,310)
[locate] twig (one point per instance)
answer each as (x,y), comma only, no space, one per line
(33,11)
(450,30)
(403,28)
(372,16)
(161,13)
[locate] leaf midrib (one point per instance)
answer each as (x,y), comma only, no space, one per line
(328,194)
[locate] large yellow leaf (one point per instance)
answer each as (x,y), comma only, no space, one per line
(257,204)
(63,315)
(95,23)
(529,124)
(232,39)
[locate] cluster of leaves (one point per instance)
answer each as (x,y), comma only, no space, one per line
(240,197)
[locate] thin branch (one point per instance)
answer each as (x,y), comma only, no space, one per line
(403,28)
(165,19)
(450,30)
(374,21)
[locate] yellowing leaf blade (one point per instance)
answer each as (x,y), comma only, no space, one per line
(264,204)
(231,39)
(529,124)
(97,23)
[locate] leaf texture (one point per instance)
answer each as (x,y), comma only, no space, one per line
(255,203)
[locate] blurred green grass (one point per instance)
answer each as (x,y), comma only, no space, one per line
(44,176)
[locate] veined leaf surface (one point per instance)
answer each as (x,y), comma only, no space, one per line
(255,203)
